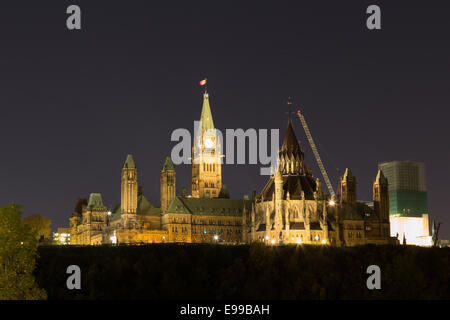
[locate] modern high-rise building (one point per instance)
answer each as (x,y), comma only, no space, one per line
(408,208)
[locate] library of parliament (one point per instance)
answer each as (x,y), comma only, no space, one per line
(290,209)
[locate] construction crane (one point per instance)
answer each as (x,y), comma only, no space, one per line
(316,154)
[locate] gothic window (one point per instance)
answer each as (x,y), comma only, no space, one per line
(296,213)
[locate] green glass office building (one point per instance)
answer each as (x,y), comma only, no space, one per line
(407,188)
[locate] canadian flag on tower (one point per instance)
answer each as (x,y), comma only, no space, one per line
(203,82)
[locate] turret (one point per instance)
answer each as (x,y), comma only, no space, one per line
(348,188)
(278,203)
(167,184)
(325,221)
(94,216)
(129,190)
(381,196)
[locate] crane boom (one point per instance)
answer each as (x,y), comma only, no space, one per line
(316,153)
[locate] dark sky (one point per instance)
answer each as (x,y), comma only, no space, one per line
(74,103)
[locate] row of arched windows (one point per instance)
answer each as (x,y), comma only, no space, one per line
(209,167)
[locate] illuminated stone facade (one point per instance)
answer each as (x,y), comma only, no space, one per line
(290,209)
(206,158)
(206,216)
(293,209)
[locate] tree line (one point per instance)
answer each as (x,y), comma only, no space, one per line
(204,271)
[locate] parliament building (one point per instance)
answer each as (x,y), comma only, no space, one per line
(290,209)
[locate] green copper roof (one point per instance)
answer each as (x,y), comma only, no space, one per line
(129,162)
(168,165)
(144,208)
(209,207)
(95,201)
(115,213)
(178,206)
(206,117)
(224,192)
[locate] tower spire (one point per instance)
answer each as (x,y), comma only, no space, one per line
(206,160)
(206,116)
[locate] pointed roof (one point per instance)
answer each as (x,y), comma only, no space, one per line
(145,208)
(95,201)
(178,206)
(224,192)
(290,153)
(380,177)
(206,117)
(290,142)
(348,175)
(129,162)
(168,165)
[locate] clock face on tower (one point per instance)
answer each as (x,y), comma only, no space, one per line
(209,143)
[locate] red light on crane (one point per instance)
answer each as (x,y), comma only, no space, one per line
(298,111)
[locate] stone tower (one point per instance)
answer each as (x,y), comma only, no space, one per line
(348,188)
(94,218)
(168,184)
(206,156)
(129,191)
(381,196)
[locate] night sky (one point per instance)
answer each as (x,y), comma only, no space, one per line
(74,103)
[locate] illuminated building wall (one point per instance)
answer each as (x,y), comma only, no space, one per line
(62,236)
(414,229)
